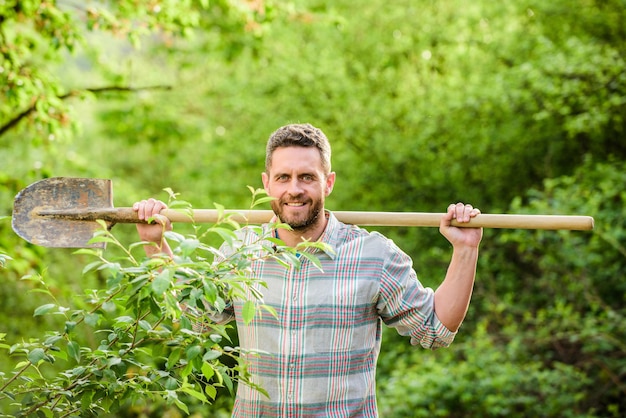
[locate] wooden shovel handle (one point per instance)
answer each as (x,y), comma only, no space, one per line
(484,220)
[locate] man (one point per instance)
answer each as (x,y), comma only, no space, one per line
(321,350)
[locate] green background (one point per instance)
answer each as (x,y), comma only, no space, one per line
(514,106)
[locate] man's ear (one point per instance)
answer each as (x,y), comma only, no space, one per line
(330,182)
(266,180)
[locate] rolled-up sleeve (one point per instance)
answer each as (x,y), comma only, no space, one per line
(406,305)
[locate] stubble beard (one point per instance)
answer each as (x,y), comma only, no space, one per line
(299,224)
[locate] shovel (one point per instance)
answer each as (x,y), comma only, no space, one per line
(62,212)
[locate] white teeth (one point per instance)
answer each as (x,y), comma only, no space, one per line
(295,204)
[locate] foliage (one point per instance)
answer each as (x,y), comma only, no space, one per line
(544,336)
(483,379)
(35,34)
(425,103)
(573,293)
(157,342)
(42,103)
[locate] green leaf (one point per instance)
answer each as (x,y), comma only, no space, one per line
(21,364)
(188,246)
(185,323)
(97,239)
(220,304)
(145,325)
(262,200)
(181,405)
(193,352)
(198,395)
(162,282)
(270,309)
(88,251)
(155,309)
(73,350)
(188,369)
(36,355)
(114,361)
(225,234)
(91,266)
(210,292)
(69,326)
(313,259)
(92,319)
(44,291)
(60,354)
(228,382)
(109,306)
(173,358)
(210,391)
(86,399)
(207,371)
(248,311)
(171,383)
(51,340)
(125,319)
(211,355)
(44,309)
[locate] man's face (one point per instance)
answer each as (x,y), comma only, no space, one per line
(297,182)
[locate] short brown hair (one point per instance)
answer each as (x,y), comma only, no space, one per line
(299,135)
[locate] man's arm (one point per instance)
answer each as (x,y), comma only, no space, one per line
(453,296)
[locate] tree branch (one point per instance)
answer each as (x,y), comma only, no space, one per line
(96,90)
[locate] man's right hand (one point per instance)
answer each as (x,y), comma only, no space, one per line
(152,232)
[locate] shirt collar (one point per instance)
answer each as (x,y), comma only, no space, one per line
(329,236)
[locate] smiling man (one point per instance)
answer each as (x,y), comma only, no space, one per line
(318,356)
(297,173)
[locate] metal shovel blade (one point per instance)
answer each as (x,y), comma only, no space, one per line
(57,194)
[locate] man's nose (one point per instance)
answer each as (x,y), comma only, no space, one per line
(295,187)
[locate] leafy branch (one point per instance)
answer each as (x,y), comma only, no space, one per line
(157,341)
(11,123)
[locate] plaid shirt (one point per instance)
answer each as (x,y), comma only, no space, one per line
(318,357)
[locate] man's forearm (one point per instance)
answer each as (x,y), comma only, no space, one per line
(453,296)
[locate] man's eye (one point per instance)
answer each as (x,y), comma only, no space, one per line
(307,177)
